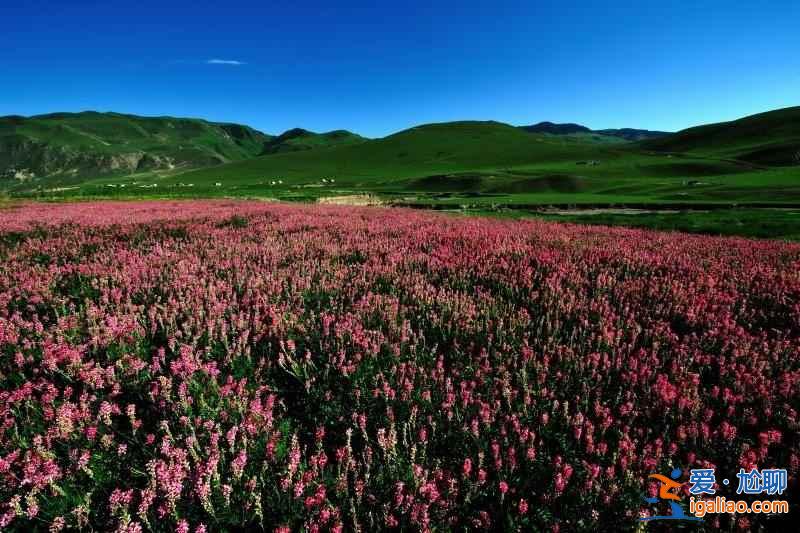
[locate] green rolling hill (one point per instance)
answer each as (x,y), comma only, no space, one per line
(428,157)
(70,147)
(487,160)
(753,159)
(79,145)
(768,139)
(298,139)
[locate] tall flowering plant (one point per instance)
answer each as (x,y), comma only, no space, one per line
(212,365)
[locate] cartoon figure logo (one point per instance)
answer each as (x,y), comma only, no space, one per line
(665,493)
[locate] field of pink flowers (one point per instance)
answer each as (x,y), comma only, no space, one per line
(205,366)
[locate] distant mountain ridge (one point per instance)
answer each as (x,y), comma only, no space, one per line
(556,129)
(628,134)
(633,134)
(297,139)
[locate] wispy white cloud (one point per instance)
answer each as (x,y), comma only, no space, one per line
(225,62)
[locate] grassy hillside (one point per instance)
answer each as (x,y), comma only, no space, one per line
(74,145)
(487,165)
(768,139)
(486,162)
(416,153)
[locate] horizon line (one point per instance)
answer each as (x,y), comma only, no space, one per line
(187,117)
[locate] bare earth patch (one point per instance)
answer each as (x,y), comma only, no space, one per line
(351,199)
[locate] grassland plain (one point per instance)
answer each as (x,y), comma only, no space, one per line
(481,167)
(760,223)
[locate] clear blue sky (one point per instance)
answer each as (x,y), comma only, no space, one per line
(377,67)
